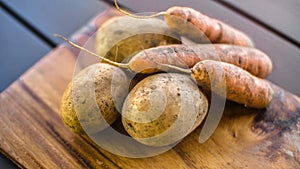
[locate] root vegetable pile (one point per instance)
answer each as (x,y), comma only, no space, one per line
(163,107)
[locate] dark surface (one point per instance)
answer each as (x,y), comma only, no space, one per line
(62,17)
(6,163)
(22,45)
(282,16)
(19,49)
(272,25)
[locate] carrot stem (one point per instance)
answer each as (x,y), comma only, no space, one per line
(137,16)
(121,65)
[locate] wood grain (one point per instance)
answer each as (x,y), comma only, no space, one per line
(34,136)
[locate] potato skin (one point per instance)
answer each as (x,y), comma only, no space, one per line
(97,88)
(163,108)
(121,37)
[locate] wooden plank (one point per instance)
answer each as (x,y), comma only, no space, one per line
(34,140)
(284,55)
(61,16)
(245,138)
(282,16)
(19,50)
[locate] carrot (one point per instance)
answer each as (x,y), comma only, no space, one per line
(250,59)
(240,85)
(197,26)
(215,30)
(230,81)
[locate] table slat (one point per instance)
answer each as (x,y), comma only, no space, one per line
(19,49)
(62,17)
(283,16)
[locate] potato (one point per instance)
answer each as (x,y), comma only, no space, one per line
(121,37)
(92,100)
(163,108)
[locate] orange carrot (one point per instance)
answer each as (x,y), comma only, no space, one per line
(146,61)
(197,26)
(183,19)
(240,85)
(250,59)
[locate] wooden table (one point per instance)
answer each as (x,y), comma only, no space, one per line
(30,113)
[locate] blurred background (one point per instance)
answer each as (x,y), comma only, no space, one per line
(26,29)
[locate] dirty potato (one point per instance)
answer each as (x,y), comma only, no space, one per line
(93,98)
(121,37)
(163,108)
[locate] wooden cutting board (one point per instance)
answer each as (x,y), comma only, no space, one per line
(33,135)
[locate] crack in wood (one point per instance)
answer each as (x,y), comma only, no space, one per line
(184,157)
(69,147)
(97,149)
